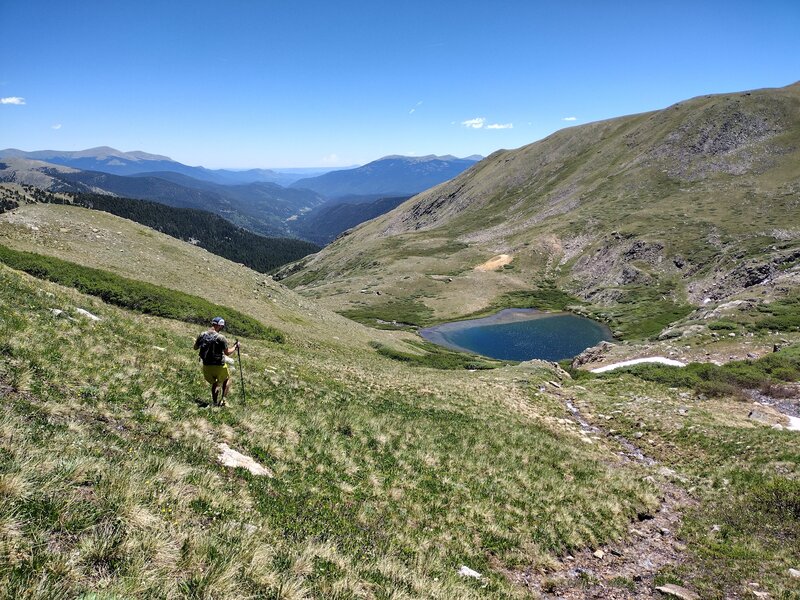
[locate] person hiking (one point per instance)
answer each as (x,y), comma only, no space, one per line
(213,349)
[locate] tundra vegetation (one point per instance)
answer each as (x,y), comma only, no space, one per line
(393,464)
(389,472)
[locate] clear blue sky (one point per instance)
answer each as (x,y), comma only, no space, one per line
(297,83)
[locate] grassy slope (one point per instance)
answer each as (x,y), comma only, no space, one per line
(387,476)
(712,180)
(745,474)
(101,240)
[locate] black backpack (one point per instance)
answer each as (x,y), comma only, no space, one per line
(212,348)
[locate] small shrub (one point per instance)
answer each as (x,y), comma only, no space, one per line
(723,326)
(780,497)
(726,380)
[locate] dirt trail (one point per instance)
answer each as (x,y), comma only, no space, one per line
(625,569)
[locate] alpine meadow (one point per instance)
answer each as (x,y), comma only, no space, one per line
(399,301)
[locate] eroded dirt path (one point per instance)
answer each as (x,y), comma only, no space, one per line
(624,569)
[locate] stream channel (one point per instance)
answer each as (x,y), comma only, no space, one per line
(521,334)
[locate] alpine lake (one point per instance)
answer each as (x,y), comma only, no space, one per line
(521,334)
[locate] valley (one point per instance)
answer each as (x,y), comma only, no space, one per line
(389,467)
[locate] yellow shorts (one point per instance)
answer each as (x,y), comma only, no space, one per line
(215,373)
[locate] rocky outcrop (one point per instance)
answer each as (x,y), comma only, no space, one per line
(592,355)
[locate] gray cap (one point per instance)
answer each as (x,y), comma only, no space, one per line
(218,321)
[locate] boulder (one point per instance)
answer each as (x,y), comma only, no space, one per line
(85,313)
(465,571)
(677,591)
(591,355)
(231,458)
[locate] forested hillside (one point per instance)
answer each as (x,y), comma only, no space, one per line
(204,229)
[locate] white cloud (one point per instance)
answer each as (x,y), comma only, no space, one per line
(330,159)
(500,126)
(13,100)
(416,106)
(476,123)
(57,126)
(570,119)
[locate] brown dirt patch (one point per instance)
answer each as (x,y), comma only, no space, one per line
(496,262)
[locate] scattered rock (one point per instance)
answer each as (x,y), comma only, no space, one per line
(794,573)
(465,571)
(231,458)
(85,313)
(599,554)
(57,312)
(757,415)
(677,591)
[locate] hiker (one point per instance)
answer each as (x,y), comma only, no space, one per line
(213,349)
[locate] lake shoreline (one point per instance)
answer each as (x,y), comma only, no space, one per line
(451,334)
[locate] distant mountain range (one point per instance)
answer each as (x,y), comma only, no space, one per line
(389,176)
(261,207)
(251,199)
(115,162)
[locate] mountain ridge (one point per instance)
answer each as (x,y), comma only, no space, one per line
(668,207)
(388,176)
(262,207)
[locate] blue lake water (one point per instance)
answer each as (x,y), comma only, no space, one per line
(521,334)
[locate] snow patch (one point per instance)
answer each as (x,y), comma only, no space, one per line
(637,361)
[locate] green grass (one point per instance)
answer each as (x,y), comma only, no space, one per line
(403,312)
(136,295)
(436,357)
(545,297)
(780,315)
(386,479)
(742,478)
(728,379)
(642,312)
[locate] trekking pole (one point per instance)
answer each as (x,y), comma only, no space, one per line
(241,375)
